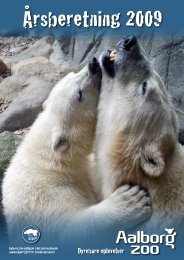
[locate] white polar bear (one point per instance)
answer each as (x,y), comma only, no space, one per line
(137,132)
(48,181)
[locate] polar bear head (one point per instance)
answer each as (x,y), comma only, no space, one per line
(72,109)
(144,120)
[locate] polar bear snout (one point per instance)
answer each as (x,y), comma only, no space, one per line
(130,61)
(107,63)
(95,72)
(94,66)
(127,49)
(127,43)
(123,59)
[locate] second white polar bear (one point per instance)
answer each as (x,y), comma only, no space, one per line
(137,134)
(47,183)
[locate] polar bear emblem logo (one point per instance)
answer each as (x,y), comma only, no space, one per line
(31,234)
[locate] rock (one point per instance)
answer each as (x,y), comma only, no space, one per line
(61,52)
(24,109)
(27,88)
(42,47)
(3,68)
(68,51)
(4,105)
(21,67)
(8,144)
(11,46)
(175,75)
(12,86)
(168,59)
(22,132)
(40,67)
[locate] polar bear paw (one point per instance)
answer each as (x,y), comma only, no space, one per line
(130,205)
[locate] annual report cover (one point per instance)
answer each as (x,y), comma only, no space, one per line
(91,129)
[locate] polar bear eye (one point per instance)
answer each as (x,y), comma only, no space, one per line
(80,95)
(144,87)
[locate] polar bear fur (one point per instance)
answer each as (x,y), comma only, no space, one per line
(48,183)
(137,133)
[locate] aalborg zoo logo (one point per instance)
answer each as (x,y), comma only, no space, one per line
(31,234)
(142,243)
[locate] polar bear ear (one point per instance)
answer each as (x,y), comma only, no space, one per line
(152,161)
(59,143)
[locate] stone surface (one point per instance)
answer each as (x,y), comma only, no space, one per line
(24,70)
(23,110)
(11,86)
(4,105)
(27,88)
(3,67)
(42,47)
(40,67)
(8,144)
(11,46)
